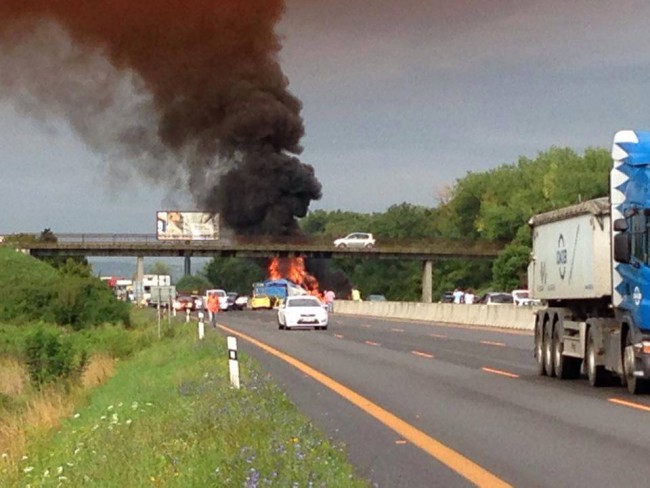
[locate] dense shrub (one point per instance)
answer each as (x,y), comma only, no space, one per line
(33,290)
(51,358)
(84,301)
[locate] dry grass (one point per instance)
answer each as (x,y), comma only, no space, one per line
(99,369)
(13,378)
(41,410)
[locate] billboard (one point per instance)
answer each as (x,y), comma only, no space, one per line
(184,226)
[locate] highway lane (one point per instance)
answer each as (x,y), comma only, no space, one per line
(473,390)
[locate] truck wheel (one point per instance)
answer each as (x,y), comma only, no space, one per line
(539,345)
(596,374)
(565,367)
(548,349)
(635,385)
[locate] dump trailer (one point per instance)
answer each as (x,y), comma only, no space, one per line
(590,265)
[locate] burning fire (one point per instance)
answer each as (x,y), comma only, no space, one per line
(293,269)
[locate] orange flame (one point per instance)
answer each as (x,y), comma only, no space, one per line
(293,269)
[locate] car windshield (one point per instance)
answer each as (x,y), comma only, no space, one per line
(303,302)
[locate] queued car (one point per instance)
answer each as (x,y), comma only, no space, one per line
(221,294)
(198,302)
(183,303)
(236,301)
(376,298)
(522,299)
(356,240)
(496,298)
(302,311)
(447,297)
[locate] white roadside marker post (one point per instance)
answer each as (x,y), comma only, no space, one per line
(201,326)
(233,364)
(187,315)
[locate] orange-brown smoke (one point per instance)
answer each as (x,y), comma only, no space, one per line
(187,92)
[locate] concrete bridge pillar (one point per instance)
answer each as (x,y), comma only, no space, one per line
(427,281)
(187,267)
(138,288)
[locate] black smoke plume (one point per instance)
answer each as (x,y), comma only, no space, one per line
(187,93)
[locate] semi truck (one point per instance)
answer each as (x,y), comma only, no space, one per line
(590,265)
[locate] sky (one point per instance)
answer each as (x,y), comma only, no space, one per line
(400,99)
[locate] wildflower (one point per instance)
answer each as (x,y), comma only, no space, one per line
(28,469)
(70,464)
(128,421)
(103,417)
(95,427)
(63,478)
(59,470)
(120,404)
(110,407)
(76,415)
(76,451)
(24,458)
(134,405)
(5,455)
(46,473)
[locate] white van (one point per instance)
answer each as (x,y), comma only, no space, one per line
(221,294)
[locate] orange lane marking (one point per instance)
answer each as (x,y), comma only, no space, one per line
(439,336)
(638,406)
(397,330)
(371,343)
(446,455)
(502,373)
(423,354)
(492,343)
(338,336)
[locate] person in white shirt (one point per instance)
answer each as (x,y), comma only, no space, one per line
(469,296)
(458,295)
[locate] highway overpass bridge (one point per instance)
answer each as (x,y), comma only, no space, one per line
(140,245)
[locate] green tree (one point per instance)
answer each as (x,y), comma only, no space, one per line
(509,269)
(234,274)
(193,284)
(159,268)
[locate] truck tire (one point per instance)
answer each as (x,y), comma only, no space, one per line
(566,367)
(548,347)
(635,385)
(539,344)
(596,374)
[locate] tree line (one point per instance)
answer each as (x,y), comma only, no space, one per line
(494,205)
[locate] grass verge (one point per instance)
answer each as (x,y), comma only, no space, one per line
(170,418)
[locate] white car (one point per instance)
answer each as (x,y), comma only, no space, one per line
(522,299)
(221,295)
(302,311)
(356,239)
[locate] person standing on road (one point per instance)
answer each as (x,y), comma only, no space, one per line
(356,295)
(329,300)
(459,295)
(213,308)
(469,296)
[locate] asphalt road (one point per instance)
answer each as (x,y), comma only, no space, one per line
(451,405)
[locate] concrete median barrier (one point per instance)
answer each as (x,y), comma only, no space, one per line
(504,316)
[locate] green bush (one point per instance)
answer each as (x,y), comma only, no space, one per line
(32,290)
(51,358)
